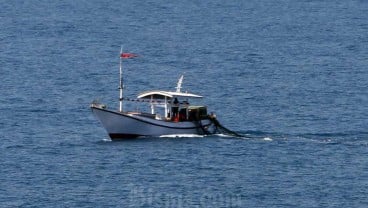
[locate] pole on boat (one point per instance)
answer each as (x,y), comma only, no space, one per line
(121,85)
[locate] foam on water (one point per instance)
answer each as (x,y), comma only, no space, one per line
(267,139)
(181,136)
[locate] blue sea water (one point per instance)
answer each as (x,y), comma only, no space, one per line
(289,75)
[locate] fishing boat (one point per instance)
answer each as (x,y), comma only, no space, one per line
(170,113)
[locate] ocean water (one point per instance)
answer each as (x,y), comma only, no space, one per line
(291,76)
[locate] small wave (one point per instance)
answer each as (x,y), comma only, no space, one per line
(267,139)
(356,134)
(106,140)
(17,146)
(103,141)
(223,135)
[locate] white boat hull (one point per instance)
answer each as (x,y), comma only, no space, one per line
(128,125)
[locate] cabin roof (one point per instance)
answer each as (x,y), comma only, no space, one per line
(159,94)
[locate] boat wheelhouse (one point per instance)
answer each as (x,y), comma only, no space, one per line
(178,111)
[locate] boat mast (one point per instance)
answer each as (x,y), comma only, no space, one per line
(121,85)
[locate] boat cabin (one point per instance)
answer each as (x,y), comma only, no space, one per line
(175,104)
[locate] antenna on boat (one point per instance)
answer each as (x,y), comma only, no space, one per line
(180,81)
(121,85)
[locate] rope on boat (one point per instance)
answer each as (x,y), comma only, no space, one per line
(218,128)
(221,129)
(199,123)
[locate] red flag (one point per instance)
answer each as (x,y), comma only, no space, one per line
(127,55)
